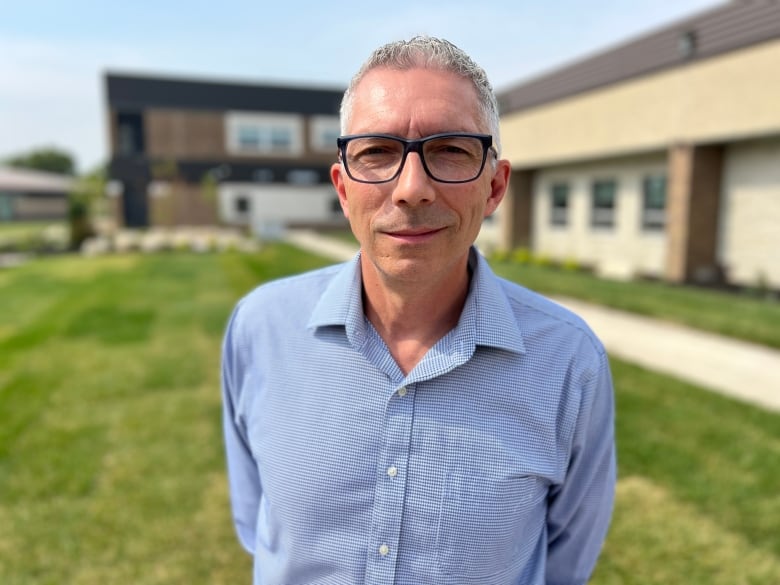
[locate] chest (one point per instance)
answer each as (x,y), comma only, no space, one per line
(333,431)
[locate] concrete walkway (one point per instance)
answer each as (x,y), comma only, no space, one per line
(339,250)
(742,370)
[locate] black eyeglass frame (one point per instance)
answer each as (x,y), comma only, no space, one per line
(416,145)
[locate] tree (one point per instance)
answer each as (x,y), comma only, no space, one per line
(52,160)
(90,189)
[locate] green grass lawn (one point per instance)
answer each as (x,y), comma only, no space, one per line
(742,315)
(111,461)
(10,230)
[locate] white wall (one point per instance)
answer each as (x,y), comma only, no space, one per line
(749,245)
(275,205)
(623,251)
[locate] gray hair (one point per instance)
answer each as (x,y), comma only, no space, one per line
(429,53)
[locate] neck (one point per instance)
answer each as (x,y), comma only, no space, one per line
(411,316)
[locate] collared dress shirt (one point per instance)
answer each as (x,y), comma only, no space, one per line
(491,462)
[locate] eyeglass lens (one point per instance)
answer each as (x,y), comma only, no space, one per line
(450,158)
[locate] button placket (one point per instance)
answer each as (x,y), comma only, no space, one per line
(390,490)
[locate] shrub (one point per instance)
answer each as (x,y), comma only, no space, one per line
(522,256)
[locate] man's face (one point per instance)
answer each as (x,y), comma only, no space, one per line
(414,227)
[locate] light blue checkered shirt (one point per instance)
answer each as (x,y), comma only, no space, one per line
(491,462)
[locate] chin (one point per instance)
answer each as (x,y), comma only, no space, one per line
(403,268)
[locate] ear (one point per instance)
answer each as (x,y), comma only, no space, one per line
(498,185)
(337,178)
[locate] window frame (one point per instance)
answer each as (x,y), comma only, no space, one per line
(653,217)
(603,216)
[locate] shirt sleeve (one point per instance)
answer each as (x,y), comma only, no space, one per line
(580,509)
(243,478)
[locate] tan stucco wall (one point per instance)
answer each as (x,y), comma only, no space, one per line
(719,99)
(623,251)
(749,247)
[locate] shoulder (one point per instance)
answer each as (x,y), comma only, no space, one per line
(286,300)
(298,289)
(543,320)
(563,353)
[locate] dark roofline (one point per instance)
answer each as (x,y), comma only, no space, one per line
(738,24)
(136,92)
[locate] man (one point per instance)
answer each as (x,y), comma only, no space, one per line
(408,417)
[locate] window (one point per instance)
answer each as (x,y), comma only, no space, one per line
(242,204)
(323,132)
(303,177)
(263,176)
(265,139)
(253,133)
(603,209)
(281,138)
(249,137)
(130,133)
(654,202)
(559,204)
(6,207)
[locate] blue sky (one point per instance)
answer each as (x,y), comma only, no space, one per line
(53,53)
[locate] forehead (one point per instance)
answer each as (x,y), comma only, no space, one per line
(415,102)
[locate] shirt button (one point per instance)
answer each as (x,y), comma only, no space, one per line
(384,550)
(402,391)
(392,471)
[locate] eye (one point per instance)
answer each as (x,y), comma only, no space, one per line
(374,147)
(455,147)
(452,149)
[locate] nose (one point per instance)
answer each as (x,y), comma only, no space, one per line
(413,186)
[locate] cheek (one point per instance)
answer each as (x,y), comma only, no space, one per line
(478,206)
(358,210)
(366,202)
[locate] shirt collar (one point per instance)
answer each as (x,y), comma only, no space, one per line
(487,312)
(341,304)
(487,318)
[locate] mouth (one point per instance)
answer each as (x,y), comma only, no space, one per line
(414,236)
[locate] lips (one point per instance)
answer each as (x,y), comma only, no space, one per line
(411,233)
(413,236)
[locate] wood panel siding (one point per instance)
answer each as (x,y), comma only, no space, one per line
(184,134)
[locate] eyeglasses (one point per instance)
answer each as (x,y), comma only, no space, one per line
(447,158)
